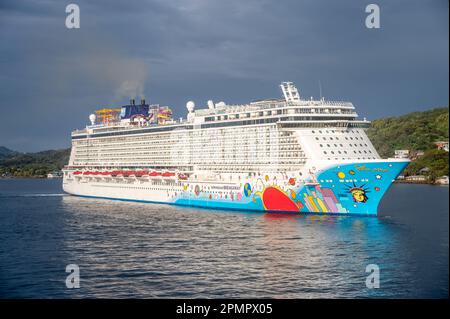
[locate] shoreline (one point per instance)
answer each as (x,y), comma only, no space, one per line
(418,183)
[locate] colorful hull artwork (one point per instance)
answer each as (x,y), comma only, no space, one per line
(355,188)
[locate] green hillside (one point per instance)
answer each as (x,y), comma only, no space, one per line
(33,164)
(416,132)
(6,152)
(413,131)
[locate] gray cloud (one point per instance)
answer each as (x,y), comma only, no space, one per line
(171,51)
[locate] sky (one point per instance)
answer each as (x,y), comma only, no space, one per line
(173,51)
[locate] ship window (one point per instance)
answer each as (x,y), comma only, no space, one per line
(324,152)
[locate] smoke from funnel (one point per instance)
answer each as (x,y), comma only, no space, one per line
(132,75)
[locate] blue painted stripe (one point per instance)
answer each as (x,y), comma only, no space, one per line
(224,208)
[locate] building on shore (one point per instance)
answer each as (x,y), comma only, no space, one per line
(55,174)
(443,180)
(416,154)
(442,145)
(401,154)
(416,179)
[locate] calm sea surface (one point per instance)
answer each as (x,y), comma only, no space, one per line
(132,250)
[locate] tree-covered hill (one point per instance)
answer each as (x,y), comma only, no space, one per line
(6,152)
(33,164)
(414,131)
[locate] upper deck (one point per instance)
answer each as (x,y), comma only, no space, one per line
(289,112)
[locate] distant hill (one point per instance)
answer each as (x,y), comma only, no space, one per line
(413,131)
(33,164)
(6,152)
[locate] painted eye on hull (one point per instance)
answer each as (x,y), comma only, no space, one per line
(274,199)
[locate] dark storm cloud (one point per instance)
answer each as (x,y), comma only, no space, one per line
(52,78)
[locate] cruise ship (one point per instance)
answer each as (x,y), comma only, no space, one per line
(289,154)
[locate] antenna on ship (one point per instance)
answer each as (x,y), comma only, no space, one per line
(320,89)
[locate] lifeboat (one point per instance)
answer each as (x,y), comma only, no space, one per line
(87,173)
(182,176)
(168,174)
(153,174)
(77,173)
(141,173)
(116,173)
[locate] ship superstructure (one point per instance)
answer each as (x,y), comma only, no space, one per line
(290,154)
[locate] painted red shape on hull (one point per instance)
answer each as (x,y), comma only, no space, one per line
(274,199)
